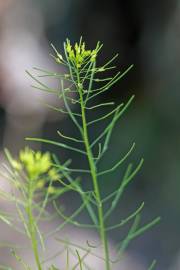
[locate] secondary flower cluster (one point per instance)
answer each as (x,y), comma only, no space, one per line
(37,166)
(35,163)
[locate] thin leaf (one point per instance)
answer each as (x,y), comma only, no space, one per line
(152,266)
(118,163)
(124,221)
(57,144)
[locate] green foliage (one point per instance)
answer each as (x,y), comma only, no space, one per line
(34,173)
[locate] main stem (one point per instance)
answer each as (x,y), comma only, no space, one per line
(32,231)
(92,166)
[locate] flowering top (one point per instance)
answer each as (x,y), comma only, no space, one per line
(78,55)
(36,165)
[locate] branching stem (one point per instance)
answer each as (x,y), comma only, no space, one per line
(102,230)
(32,228)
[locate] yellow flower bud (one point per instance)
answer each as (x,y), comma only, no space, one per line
(16,165)
(53,174)
(51,190)
(40,184)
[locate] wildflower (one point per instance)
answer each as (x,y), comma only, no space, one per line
(53,174)
(58,58)
(78,54)
(68,46)
(35,163)
(51,190)
(93,56)
(40,184)
(16,165)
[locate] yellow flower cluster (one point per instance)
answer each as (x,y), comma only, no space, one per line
(78,54)
(36,165)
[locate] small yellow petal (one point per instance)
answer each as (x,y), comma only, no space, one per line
(51,190)
(40,184)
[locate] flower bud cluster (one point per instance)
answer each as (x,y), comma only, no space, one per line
(37,166)
(78,54)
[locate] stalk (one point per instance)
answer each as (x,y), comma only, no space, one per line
(32,230)
(92,167)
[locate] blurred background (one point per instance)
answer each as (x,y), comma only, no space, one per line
(144,33)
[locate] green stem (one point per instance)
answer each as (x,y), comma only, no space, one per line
(92,166)
(32,229)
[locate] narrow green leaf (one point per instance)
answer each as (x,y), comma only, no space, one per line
(56,143)
(129,218)
(152,266)
(124,244)
(118,163)
(146,227)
